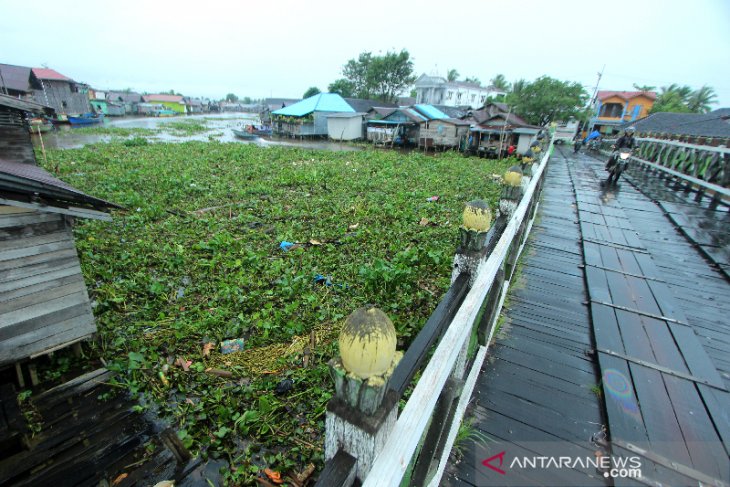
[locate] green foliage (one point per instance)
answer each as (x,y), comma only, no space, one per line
(500,82)
(380,77)
(344,87)
(473,79)
(452,75)
(682,99)
(311,91)
(547,99)
(467,433)
(195,259)
(231,98)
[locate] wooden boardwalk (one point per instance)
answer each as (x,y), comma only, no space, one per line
(614,292)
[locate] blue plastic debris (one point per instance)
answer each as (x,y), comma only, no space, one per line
(327,281)
(233,345)
(285,246)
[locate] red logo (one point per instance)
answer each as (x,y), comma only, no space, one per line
(488,463)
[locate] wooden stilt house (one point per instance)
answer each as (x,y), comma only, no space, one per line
(44,304)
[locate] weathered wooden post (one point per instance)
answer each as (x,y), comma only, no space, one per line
(361,415)
(512,191)
(527,161)
(476,221)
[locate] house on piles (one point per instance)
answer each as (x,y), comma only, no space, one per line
(352,125)
(394,126)
(128,100)
(44,304)
(308,118)
(439,130)
(64,95)
(495,128)
(171,103)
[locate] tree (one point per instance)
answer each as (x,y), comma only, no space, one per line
(344,87)
(381,77)
(547,99)
(313,90)
(472,79)
(644,88)
(500,82)
(700,100)
(231,98)
(452,75)
(681,99)
(246,100)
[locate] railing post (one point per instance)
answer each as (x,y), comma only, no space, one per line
(476,220)
(361,415)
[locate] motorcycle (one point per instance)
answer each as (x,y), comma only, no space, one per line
(594,145)
(617,163)
(577,145)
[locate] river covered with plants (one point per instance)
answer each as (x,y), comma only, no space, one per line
(223,245)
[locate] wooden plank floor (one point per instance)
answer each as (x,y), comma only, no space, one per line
(534,395)
(630,277)
(664,392)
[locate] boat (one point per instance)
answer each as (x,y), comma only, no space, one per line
(259,129)
(244,134)
(86,119)
(39,125)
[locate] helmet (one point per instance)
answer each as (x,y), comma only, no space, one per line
(630,130)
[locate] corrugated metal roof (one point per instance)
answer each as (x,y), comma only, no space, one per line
(625,95)
(15,77)
(28,179)
(170,98)
(346,115)
(430,111)
(452,121)
(51,74)
(25,105)
(322,102)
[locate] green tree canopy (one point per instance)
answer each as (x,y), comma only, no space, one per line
(230,97)
(472,79)
(547,99)
(452,75)
(644,88)
(311,91)
(344,87)
(682,99)
(380,77)
(500,82)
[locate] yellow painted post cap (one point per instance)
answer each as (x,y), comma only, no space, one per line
(477,216)
(367,342)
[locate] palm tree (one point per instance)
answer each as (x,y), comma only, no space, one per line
(500,82)
(644,88)
(452,75)
(683,92)
(700,100)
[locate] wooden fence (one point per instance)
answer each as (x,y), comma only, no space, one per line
(384,448)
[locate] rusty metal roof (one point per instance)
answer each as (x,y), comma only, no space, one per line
(49,74)
(625,95)
(17,178)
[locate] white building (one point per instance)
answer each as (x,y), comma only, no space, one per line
(435,90)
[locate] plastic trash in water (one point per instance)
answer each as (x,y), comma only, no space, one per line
(433,198)
(232,345)
(286,246)
(327,281)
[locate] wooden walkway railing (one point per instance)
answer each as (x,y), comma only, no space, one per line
(382,448)
(702,168)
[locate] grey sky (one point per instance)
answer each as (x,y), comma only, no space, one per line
(280,48)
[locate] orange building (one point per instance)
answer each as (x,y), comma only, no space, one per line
(614,108)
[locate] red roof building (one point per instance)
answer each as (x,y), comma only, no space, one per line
(49,74)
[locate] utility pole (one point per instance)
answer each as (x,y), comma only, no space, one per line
(592,100)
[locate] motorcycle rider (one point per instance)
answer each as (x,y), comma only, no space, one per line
(626,140)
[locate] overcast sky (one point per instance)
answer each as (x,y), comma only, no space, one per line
(280,48)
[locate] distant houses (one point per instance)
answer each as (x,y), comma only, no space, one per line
(174,103)
(435,90)
(613,108)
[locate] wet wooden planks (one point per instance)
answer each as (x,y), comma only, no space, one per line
(90,434)
(646,346)
(534,396)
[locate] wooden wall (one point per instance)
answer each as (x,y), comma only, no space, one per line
(43,298)
(442,133)
(15,143)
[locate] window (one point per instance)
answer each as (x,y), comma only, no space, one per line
(473,97)
(611,110)
(482,98)
(458,97)
(449,95)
